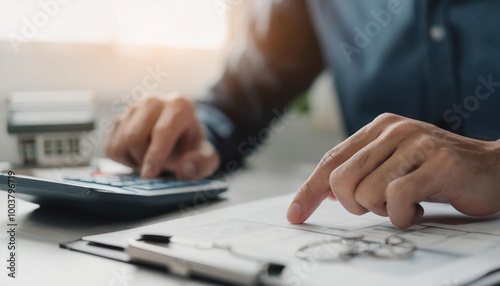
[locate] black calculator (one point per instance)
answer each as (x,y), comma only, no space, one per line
(116,195)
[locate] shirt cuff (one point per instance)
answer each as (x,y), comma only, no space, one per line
(220,131)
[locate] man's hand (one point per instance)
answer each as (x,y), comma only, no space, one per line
(162,133)
(392,164)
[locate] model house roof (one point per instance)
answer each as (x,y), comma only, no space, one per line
(51,111)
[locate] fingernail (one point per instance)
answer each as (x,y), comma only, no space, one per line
(189,169)
(294,213)
(148,170)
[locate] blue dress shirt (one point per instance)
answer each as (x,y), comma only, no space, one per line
(435,61)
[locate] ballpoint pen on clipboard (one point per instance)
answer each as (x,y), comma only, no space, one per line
(207,260)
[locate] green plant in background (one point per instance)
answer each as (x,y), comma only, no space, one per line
(301,104)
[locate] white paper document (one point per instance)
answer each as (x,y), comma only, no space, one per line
(452,248)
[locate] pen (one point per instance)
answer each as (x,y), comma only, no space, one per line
(192,258)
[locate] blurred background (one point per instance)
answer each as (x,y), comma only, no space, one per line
(110,46)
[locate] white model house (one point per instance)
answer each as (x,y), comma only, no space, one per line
(50,126)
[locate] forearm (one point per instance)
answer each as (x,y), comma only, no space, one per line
(278,60)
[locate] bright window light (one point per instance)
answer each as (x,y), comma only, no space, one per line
(175,23)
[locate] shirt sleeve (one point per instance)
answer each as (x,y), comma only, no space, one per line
(278,59)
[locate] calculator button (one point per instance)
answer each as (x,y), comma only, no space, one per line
(71,178)
(86,179)
(102,180)
(121,184)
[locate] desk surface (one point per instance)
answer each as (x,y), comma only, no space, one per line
(39,232)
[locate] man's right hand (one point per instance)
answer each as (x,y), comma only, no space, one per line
(162,133)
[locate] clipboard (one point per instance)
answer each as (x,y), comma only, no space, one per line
(461,253)
(187,259)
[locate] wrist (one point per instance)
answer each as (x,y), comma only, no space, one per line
(493,153)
